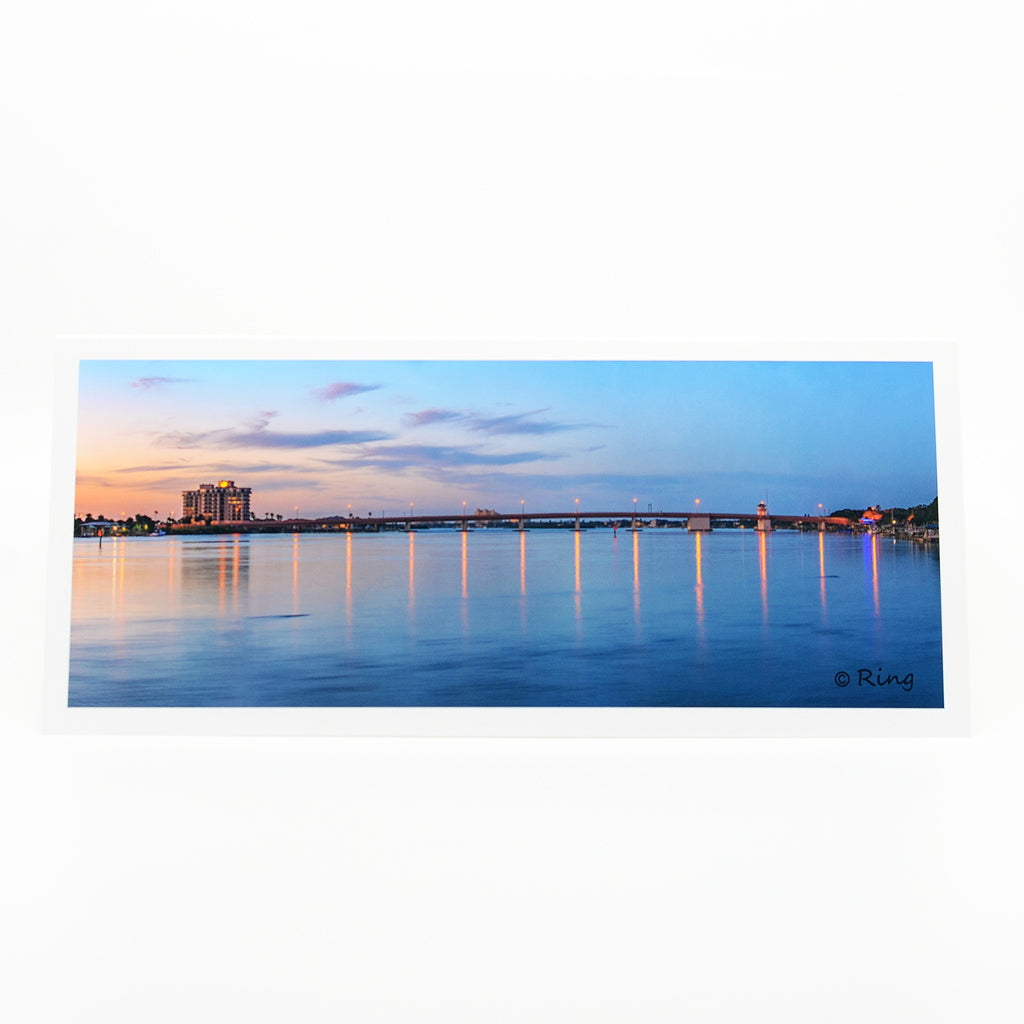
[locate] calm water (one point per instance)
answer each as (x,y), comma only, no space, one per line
(499,618)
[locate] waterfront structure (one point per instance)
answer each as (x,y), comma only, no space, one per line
(223,502)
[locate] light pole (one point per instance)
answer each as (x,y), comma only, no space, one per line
(522,514)
(633,524)
(577,513)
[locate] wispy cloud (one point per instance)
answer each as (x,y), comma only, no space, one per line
(178,469)
(259,437)
(439,457)
(262,420)
(342,389)
(523,423)
(145,383)
(509,424)
(313,439)
(428,416)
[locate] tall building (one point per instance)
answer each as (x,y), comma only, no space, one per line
(223,502)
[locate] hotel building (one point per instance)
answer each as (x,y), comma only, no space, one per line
(223,502)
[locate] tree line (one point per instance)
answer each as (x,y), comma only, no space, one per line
(921,513)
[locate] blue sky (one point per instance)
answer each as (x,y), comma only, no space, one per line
(317,436)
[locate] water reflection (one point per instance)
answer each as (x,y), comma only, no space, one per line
(576,546)
(577,595)
(412,568)
(117,576)
(821,567)
(874,571)
(235,560)
(762,554)
(465,582)
(700,588)
(465,564)
(522,563)
(522,579)
(636,579)
(348,590)
(171,622)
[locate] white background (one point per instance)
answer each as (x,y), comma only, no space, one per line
(766,169)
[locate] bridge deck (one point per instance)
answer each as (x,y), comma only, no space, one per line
(514,517)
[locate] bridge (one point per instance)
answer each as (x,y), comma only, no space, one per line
(694,521)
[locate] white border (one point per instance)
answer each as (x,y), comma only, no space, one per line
(951,720)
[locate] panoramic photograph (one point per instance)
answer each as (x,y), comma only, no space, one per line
(520,533)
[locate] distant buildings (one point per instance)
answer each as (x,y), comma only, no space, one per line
(223,502)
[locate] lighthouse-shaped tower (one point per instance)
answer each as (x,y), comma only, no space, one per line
(764,522)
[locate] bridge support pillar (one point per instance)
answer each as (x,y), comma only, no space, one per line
(699,524)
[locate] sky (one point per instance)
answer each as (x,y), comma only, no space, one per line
(317,438)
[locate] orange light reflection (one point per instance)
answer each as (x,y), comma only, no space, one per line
(762,545)
(522,564)
(222,571)
(579,608)
(874,571)
(348,587)
(821,553)
(412,568)
(700,586)
(821,565)
(636,577)
(577,561)
(465,564)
